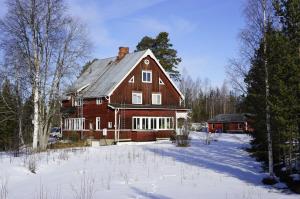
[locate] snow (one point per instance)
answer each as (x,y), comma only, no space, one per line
(155,170)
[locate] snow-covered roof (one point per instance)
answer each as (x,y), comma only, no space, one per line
(103,76)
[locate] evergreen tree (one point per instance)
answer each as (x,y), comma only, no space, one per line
(162,49)
(8,118)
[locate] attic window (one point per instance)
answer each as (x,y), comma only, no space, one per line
(146,76)
(146,61)
(161,82)
(131,80)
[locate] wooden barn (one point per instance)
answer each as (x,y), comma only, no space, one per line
(230,123)
(129,97)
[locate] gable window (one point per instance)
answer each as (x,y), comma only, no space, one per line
(146,76)
(137,98)
(78,102)
(131,80)
(97,123)
(156,98)
(98,101)
(161,82)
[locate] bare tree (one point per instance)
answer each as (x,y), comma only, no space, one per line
(50,45)
(258,14)
(250,38)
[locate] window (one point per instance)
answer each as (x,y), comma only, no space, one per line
(137,98)
(156,98)
(97,123)
(78,101)
(98,101)
(240,126)
(161,82)
(152,123)
(109,124)
(147,76)
(74,124)
(146,61)
(131,80)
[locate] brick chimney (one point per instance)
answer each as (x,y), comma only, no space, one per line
(122,52)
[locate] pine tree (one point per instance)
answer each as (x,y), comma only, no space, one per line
(8,118)
(162,49)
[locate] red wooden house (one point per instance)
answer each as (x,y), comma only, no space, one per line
(230,123)
(127,97)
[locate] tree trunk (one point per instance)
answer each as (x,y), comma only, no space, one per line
(35,120)
(268,120)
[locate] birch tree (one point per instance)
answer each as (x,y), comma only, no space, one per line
(51,45)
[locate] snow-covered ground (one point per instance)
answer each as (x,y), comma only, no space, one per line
(159,170)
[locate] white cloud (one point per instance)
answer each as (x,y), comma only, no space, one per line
(98,15)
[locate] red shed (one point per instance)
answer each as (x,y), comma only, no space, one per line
(127,97)
(230,123)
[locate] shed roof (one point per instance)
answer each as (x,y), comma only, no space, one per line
(224,118)
(103,76)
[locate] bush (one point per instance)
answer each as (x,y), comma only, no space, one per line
(31,164)
(269,180)
(183,140)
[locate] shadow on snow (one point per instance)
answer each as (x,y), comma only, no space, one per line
(222,156)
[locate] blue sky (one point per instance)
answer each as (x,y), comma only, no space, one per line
(204,32)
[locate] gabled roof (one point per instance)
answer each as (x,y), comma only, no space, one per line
(224,118)
(103,76)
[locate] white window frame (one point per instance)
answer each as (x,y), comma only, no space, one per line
(152,123)
(137,94)
(147,72)
(131,80)
(78,101)
(109,125)
(161,82)
(98,123)
(98,100)
(154,98)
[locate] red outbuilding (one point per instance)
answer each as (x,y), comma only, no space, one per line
(230,123)
(127,97)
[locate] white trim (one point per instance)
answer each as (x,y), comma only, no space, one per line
(146,108)
(147,71)
(83,87)
(98,123)
(78,101)
(131,80)
(150,53)
(160,82)
(144,123)
(98,100)
(74,124)
(140,94)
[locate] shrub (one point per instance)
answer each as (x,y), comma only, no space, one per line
(269,180)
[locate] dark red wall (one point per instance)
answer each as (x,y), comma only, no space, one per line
(123,93)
